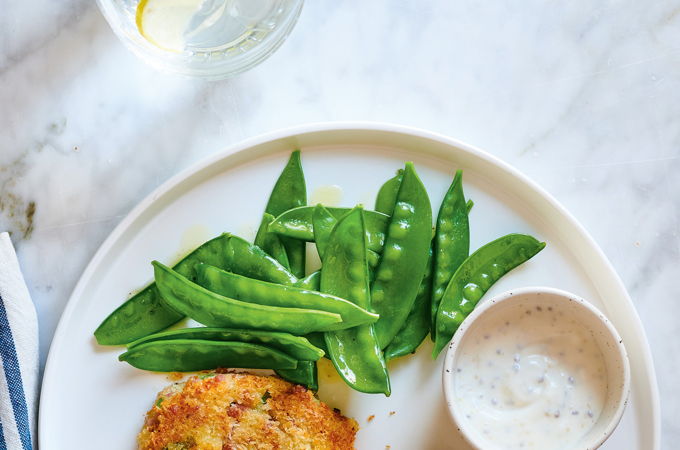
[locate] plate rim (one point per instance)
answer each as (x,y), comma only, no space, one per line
(241,147)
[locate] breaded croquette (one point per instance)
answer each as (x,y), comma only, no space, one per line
(234,411)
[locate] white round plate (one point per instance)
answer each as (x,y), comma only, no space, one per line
(89,397)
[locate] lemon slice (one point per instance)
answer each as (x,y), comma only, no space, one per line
(164,22)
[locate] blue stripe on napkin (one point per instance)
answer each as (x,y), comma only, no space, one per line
(3,445)
(10,364)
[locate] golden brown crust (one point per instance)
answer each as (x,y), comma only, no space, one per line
(241,411)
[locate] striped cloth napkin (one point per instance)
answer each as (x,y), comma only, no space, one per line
(18,354)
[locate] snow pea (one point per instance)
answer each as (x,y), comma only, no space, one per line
(186,355)
(144,313)
(310,282)
(355,352)
(387,195)
(451,240)
(270,294)
(271,242)
(317,340)
(373,260)
(243,258)
(305,374)
(324,222)
(295,346)
(290,191)
(214,310)
(297,223)
(404,257)
(417,325)
(475,276)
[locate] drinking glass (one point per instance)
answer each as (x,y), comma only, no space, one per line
(212,39)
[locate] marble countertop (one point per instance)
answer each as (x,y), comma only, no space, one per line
(580,96)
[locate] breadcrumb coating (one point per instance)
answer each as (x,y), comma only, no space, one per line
(234,411)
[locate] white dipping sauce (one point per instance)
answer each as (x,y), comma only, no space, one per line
(530,378)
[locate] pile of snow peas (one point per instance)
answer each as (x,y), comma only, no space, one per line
(388,278)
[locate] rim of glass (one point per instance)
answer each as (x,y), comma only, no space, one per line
(182,63)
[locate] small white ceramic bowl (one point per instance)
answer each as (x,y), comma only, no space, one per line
(606,337)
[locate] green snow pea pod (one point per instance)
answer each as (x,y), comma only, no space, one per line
(295,346)
(451,240)
(317,340)
(417,323)
(214,310)
(324,222)
(290,191)
(297,256)
(305,374)
(433,311)
(187,355)
(243,258)
(415,328)
(355,352)
(475,276)
(270,294)
(297,223)
(404,257)
(311,281)
(271,242)
(373,260)
(144,313)
(387,195)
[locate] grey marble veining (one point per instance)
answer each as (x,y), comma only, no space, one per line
(581,96)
